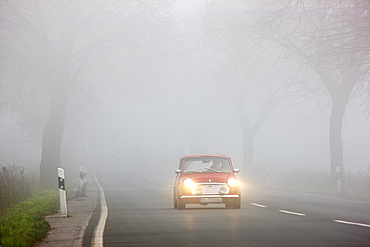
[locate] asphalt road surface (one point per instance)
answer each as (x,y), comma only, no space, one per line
(141,213)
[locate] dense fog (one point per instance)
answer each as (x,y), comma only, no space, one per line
(150,82)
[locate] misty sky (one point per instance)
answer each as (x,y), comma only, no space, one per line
(176,110)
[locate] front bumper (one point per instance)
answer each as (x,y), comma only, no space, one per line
(209,199)
(208,196)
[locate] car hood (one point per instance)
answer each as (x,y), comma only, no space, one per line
(206,177)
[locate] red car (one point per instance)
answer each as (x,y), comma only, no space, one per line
(206,179)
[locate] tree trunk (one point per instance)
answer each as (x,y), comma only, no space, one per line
(335,139)
(59,89)
(248,145)
(248,138)
(51,144)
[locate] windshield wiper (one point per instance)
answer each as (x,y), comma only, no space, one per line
(211,169)
(190,171)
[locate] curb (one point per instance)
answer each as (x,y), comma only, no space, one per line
(69,231)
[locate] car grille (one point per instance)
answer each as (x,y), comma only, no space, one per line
(210,188)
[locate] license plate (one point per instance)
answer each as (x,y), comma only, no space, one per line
(210,199)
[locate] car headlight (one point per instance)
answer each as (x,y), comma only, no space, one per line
(188,182)
(232,182)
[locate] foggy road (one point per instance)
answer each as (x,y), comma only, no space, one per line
(129,87)
(141,213)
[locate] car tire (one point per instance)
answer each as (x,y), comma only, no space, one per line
(180,203)
(174,203)
(237,203)
(174,199)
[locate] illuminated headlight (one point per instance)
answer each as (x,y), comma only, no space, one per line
(188,182)
(224,189)
(232,182)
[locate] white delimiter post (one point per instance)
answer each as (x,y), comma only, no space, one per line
(62,193)
(83,178)
(268,177)
(339,182)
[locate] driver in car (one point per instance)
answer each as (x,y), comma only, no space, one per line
(217,165)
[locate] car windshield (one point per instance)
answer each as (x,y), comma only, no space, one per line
(195,165)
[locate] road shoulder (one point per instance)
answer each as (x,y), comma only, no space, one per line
(69,231)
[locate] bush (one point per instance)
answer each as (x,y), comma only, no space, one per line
(15,186)
(23,224)
(365,180)
(313,181)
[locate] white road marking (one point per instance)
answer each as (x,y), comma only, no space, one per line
(351,223)
(289,212)
(97,239)
(258,205)
(154,181)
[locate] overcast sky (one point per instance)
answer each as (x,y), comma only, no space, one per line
(185,112)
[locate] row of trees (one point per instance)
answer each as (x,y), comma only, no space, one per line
(271,48)
(294,48)
(60,47)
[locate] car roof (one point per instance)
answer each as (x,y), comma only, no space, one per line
(205,155)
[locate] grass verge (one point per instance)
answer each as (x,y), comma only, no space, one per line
(313,181)
(23,224)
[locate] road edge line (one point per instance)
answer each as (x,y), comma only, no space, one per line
(97,239)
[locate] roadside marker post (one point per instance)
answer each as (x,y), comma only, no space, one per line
(62,193)
(83,179)
(268,178)
(339,182)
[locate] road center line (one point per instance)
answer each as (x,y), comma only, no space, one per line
(97,239)
(351,223)
(289,212)
(258,205)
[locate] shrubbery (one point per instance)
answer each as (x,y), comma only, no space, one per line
(312,181)
(364,179)
(22,210)
(23,224)
(15,186)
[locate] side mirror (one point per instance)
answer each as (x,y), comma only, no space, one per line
(236,170)
(177,171)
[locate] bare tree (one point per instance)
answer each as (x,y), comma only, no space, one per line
(247,68)
(332,38)
(54,41)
